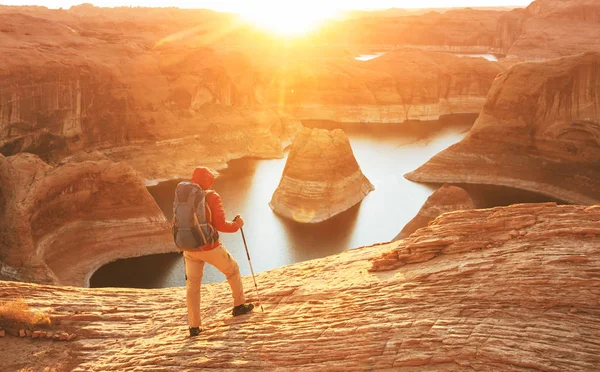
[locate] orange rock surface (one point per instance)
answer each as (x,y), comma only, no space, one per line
(539,131)
(509,288)
(321,177)
(60,224)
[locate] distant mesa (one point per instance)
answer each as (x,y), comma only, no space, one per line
(539,131)
(444,200)
(321,177)
(401,85)
(60,224)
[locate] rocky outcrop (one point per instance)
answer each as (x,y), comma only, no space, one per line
(539,131)
(508,288)
(321,177)
(553,28)
(60,224)
(444,200)
(406,84)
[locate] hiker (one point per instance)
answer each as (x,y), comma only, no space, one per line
(201,243)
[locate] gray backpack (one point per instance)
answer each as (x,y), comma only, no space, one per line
(191,228)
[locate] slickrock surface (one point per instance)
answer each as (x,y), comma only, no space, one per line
(445,199)
(509,288)
(60,224)
(539,131)
(321,177)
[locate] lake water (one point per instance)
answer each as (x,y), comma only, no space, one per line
(368,57)
(489,57)
(385,152)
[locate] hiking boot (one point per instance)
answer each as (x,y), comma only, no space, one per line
(195,331)
(242,309)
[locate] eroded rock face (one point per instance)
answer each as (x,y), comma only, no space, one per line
(321,177)
(60,224)
(71,82)
(407,84)
(444,200)
(507,288)
(539,131)
(552,28)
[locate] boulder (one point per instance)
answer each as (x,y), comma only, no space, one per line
(321,177)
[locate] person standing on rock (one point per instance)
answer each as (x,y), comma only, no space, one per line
(214,252)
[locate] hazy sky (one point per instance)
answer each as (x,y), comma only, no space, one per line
(234,5)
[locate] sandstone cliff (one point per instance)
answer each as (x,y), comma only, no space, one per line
(71,82)
(539,131)
(406,84)
(545,29)
(511,288)
(321,177)
(554,28)
(445,199)
(60,224)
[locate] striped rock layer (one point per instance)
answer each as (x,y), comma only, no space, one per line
(60,224)
(539,131)
(321,177)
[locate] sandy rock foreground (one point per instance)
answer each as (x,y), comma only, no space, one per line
(509,288)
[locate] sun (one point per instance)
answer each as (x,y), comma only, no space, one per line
(285,19)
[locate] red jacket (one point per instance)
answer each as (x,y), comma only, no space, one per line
(214,205)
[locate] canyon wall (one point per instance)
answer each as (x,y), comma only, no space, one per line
(403,85)
(538,131)
(545,29)
(321,177)
(60,224)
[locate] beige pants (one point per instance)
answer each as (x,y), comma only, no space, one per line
(194,269)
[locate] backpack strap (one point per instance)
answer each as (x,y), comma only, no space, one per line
(213,233)
(209,217)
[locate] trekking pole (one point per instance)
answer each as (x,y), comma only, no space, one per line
(251,269)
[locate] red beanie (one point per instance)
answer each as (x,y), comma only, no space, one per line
(203,177)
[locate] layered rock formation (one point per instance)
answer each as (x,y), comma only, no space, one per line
(406,84)
(71,82)
(553,28)
(509,288)
(545,29)
(444,200)
(539,131)
(60,224)
(199,86)
(321,177)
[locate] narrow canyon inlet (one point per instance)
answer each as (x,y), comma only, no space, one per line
(385,152)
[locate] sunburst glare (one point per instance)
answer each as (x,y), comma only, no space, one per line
(286,19)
